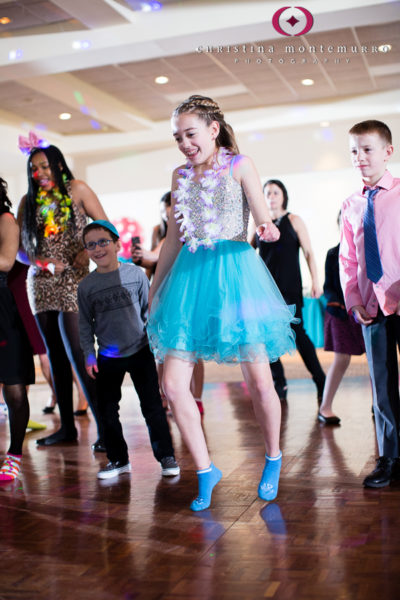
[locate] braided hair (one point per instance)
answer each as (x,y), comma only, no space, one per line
(208,110)
(62,176)
(5,203)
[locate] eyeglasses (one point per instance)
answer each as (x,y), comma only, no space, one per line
(101,243)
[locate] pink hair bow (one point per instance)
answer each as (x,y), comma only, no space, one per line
(27,144)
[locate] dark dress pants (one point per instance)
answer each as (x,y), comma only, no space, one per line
(142,370)
(381,340)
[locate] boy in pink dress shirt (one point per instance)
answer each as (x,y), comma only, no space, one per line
(374,299)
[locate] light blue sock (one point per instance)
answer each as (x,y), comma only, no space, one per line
(208,478)
(268,488)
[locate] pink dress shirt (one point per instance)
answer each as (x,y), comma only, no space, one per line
(357,288)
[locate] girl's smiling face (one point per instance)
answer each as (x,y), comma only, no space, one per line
(195,139)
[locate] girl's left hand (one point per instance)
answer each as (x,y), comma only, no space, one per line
(268,232)
(81,260)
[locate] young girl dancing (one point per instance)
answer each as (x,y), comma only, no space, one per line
(213,298)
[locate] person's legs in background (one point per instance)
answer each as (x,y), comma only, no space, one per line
(46,370)
(81,409)
(335,375)
(69,327)
(48,323)
(280,383)
(197,384)
(18,411)
(307,352)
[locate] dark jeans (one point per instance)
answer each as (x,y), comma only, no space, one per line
(142,369)
(307,352)
(380,339)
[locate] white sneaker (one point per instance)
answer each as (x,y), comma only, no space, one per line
(169,466)
(113,469)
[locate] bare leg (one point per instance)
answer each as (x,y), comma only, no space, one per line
(82,402)
(267,406)
(177,374)
(333,379)
(45,368)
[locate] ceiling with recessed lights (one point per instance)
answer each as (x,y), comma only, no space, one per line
(98,60)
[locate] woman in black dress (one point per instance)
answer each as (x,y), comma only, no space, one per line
(282,259)
(16,360)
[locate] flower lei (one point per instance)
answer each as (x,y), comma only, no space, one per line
(209,183)
(48,201)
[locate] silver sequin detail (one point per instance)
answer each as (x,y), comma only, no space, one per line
(230,205)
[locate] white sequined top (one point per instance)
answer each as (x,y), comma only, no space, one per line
(230,205)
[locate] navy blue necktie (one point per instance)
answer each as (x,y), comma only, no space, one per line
(372,258)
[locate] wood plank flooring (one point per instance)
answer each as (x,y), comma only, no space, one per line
(66,535)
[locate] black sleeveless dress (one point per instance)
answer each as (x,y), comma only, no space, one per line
(283,262)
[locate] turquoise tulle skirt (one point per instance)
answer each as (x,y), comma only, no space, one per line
(220,304)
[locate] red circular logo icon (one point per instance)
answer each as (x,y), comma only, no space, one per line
(292,20)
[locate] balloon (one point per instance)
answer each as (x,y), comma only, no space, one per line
(127,229)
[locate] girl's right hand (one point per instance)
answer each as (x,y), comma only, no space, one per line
(268,232)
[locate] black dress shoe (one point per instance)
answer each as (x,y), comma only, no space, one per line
(386,470)
(59,437)
(99,446)
(328,420)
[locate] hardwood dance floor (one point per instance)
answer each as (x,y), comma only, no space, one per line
(66,535)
